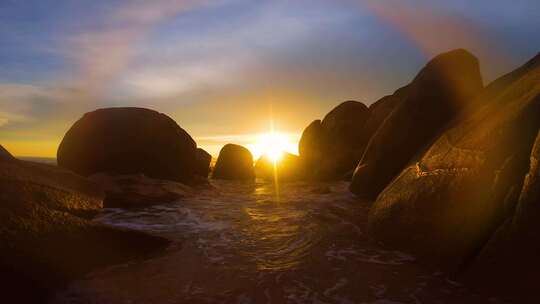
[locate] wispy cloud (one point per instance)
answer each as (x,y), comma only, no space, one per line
(103,54)
(8,117)
(28,103)
(237,53)
(95,55)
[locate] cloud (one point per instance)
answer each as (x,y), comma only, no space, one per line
(103,54)
(232,52)
(7,118)
(217,66)
(95,55)
(25,106)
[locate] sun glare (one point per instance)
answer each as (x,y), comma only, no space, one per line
(273,145)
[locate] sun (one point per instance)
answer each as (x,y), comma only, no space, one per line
(273,145)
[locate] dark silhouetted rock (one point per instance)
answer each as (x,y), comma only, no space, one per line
(331,148)
(309,146)
(442,89)
(45,239)
(203,162)
(129,141)
(135,191)
(288,168)
(234,163)
(5,155)
(475,190)
(379,111)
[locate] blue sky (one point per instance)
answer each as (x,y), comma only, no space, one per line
(222,68)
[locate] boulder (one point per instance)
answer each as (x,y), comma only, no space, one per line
(133,191)
(442,89)
(332,147)
(129,141)
(234,163)
(508,262)
(45,236)
(379,111)
(79,196)
(309,146)
(478,178)
(288,168)
(203,163)
(5,155)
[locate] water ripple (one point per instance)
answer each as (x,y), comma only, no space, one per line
(240,243)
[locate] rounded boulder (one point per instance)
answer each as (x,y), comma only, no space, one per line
(234,163)
(129,141)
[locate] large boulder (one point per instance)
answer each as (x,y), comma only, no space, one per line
(287,168)
(234,163)
(5,155)
(45,236)
(479,177)
(129,141)
(309,146)
(203,163)
(135,191)
(332,147)
(379,111)
(442,89)
(509,260)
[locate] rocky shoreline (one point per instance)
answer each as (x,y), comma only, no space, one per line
(450,165)
(47,237)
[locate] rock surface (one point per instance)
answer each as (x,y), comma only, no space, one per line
(5,155)
(472,199)
(203,163)
(288,168)
(435,97)
(380,110)
(45,238)
(234,163)
(135,191)
(509,260)
(129,141)
(309,146)
(332,147)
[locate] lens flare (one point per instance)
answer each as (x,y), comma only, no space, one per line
(273,145)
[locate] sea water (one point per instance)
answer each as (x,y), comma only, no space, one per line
(254,243)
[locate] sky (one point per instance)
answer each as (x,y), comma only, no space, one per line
(227,69)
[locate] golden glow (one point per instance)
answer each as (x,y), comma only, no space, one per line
(32,148)
(273,145)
